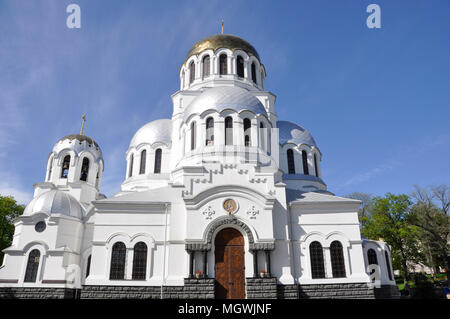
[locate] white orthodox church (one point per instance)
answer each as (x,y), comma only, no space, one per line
(222,200)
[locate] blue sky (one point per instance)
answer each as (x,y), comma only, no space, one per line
(376,101)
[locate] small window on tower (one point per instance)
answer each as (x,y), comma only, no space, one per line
(84,169)
(65,167)
(191,72)
(240,66)
(223,64)
(206,66)
(253,72)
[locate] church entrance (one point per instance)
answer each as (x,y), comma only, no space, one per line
(229,264)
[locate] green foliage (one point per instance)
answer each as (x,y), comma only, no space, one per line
(389,222)
(9,210)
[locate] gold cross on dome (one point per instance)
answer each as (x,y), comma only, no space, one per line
(82,124)
(222,26)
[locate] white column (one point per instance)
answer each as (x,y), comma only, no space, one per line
(327,257)
(129,263)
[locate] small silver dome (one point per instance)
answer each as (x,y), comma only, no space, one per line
(292,133)
(55,202)
(152,132)
(222,98)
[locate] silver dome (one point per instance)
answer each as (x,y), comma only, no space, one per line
(292,133)
(152,132)
(55,202)
(222,98)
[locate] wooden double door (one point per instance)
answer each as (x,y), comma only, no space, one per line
(229,264)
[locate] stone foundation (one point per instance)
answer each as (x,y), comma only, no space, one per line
(261,288)
(336,291)
(36,293)
(202,288)
(287,291)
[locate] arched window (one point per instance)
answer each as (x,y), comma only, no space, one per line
(139,261)
(240,66)
(337,259)
(262,135)
(130,170)
(206,65)
(88,266)
(118,256)
(316,256)
(247,132)
(290,160)
(158,155)
(316,167)
(84,169)
(65,167)
(182,79)
(143,161)
(223,64)
(209,131)
(372,259)
(254,73)
(32,266)
(305,163)
(191,72)
(193,136)
(388,265)
(229,130)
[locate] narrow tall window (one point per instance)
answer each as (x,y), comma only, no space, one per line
(240,66)
(206,65)
(118,256)
(317,264)
(337,259)
(229,130)
(193,136)
(209,131)
(139,261)
(143,161)
(223,64)
(65,167)
(254,72)
(262,134)
(32,266)
(305,163)
(290,160)
(388,265)
(372,259)
(158,155)
(88,266)
(84,169)
(316,167)
(191,72)
(130,171)
(247,132)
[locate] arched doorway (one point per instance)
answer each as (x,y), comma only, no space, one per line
(229,264)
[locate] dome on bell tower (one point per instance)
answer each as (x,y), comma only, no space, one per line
(218,41)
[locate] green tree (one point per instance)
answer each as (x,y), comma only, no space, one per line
(9,210)
(430,214)
(389,221)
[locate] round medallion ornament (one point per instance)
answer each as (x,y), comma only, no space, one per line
(40,227)
(230,206)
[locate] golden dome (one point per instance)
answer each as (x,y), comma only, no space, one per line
(218,41)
